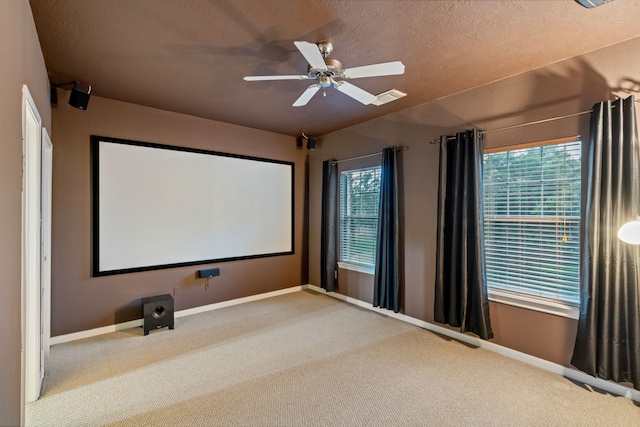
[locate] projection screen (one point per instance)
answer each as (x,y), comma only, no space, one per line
(158,206)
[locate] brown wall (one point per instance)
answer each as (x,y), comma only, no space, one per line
(563,88)
(81,302)
(22,63)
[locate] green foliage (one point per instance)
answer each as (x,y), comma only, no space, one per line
(362,192)
(539,181)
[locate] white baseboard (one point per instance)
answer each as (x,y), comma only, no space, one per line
(574,374)
(59,339)
(237,301)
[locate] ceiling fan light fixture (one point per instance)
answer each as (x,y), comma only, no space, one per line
(388,96)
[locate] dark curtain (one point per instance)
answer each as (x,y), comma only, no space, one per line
(386,281)
(461,284)
(608,340)
(329,226)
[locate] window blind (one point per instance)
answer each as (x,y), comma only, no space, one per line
(359,200)
(532,221)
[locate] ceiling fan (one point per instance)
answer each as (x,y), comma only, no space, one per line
(326,70)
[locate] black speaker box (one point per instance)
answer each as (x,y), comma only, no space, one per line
(209,272)
(157,312)
(311,144)
(53,94)
(79,99)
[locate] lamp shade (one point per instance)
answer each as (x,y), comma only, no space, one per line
(630,232)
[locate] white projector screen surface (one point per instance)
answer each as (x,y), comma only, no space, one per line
(158,206)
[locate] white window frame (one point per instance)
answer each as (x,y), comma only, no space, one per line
(347,264)
(523,300)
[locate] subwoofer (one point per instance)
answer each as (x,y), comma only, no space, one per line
(157,312)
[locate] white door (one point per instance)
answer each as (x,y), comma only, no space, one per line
(32,249)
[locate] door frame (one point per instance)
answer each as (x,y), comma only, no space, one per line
(32,290)
(45,263)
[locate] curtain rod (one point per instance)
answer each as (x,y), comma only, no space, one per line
(401,148)
(437,141)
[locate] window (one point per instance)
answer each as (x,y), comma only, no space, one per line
(532,225)
(359,198)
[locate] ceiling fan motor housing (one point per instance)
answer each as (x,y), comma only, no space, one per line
(334,69)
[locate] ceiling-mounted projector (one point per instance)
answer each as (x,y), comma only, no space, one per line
(593,3)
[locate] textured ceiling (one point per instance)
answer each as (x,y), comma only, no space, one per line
(189,56)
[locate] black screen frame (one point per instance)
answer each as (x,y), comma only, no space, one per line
(95,206)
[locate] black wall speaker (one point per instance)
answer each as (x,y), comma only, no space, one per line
(53,94)
(209,272)
(157,312)
(311,144)
(79,99)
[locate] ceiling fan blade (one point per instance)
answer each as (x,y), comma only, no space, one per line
(383,69)
(284,77)
(312,54)
(355,92)
(306,96)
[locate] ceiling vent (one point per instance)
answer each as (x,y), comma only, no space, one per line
(388,96)
(593,3)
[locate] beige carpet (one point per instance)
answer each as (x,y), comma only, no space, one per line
(305,359)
